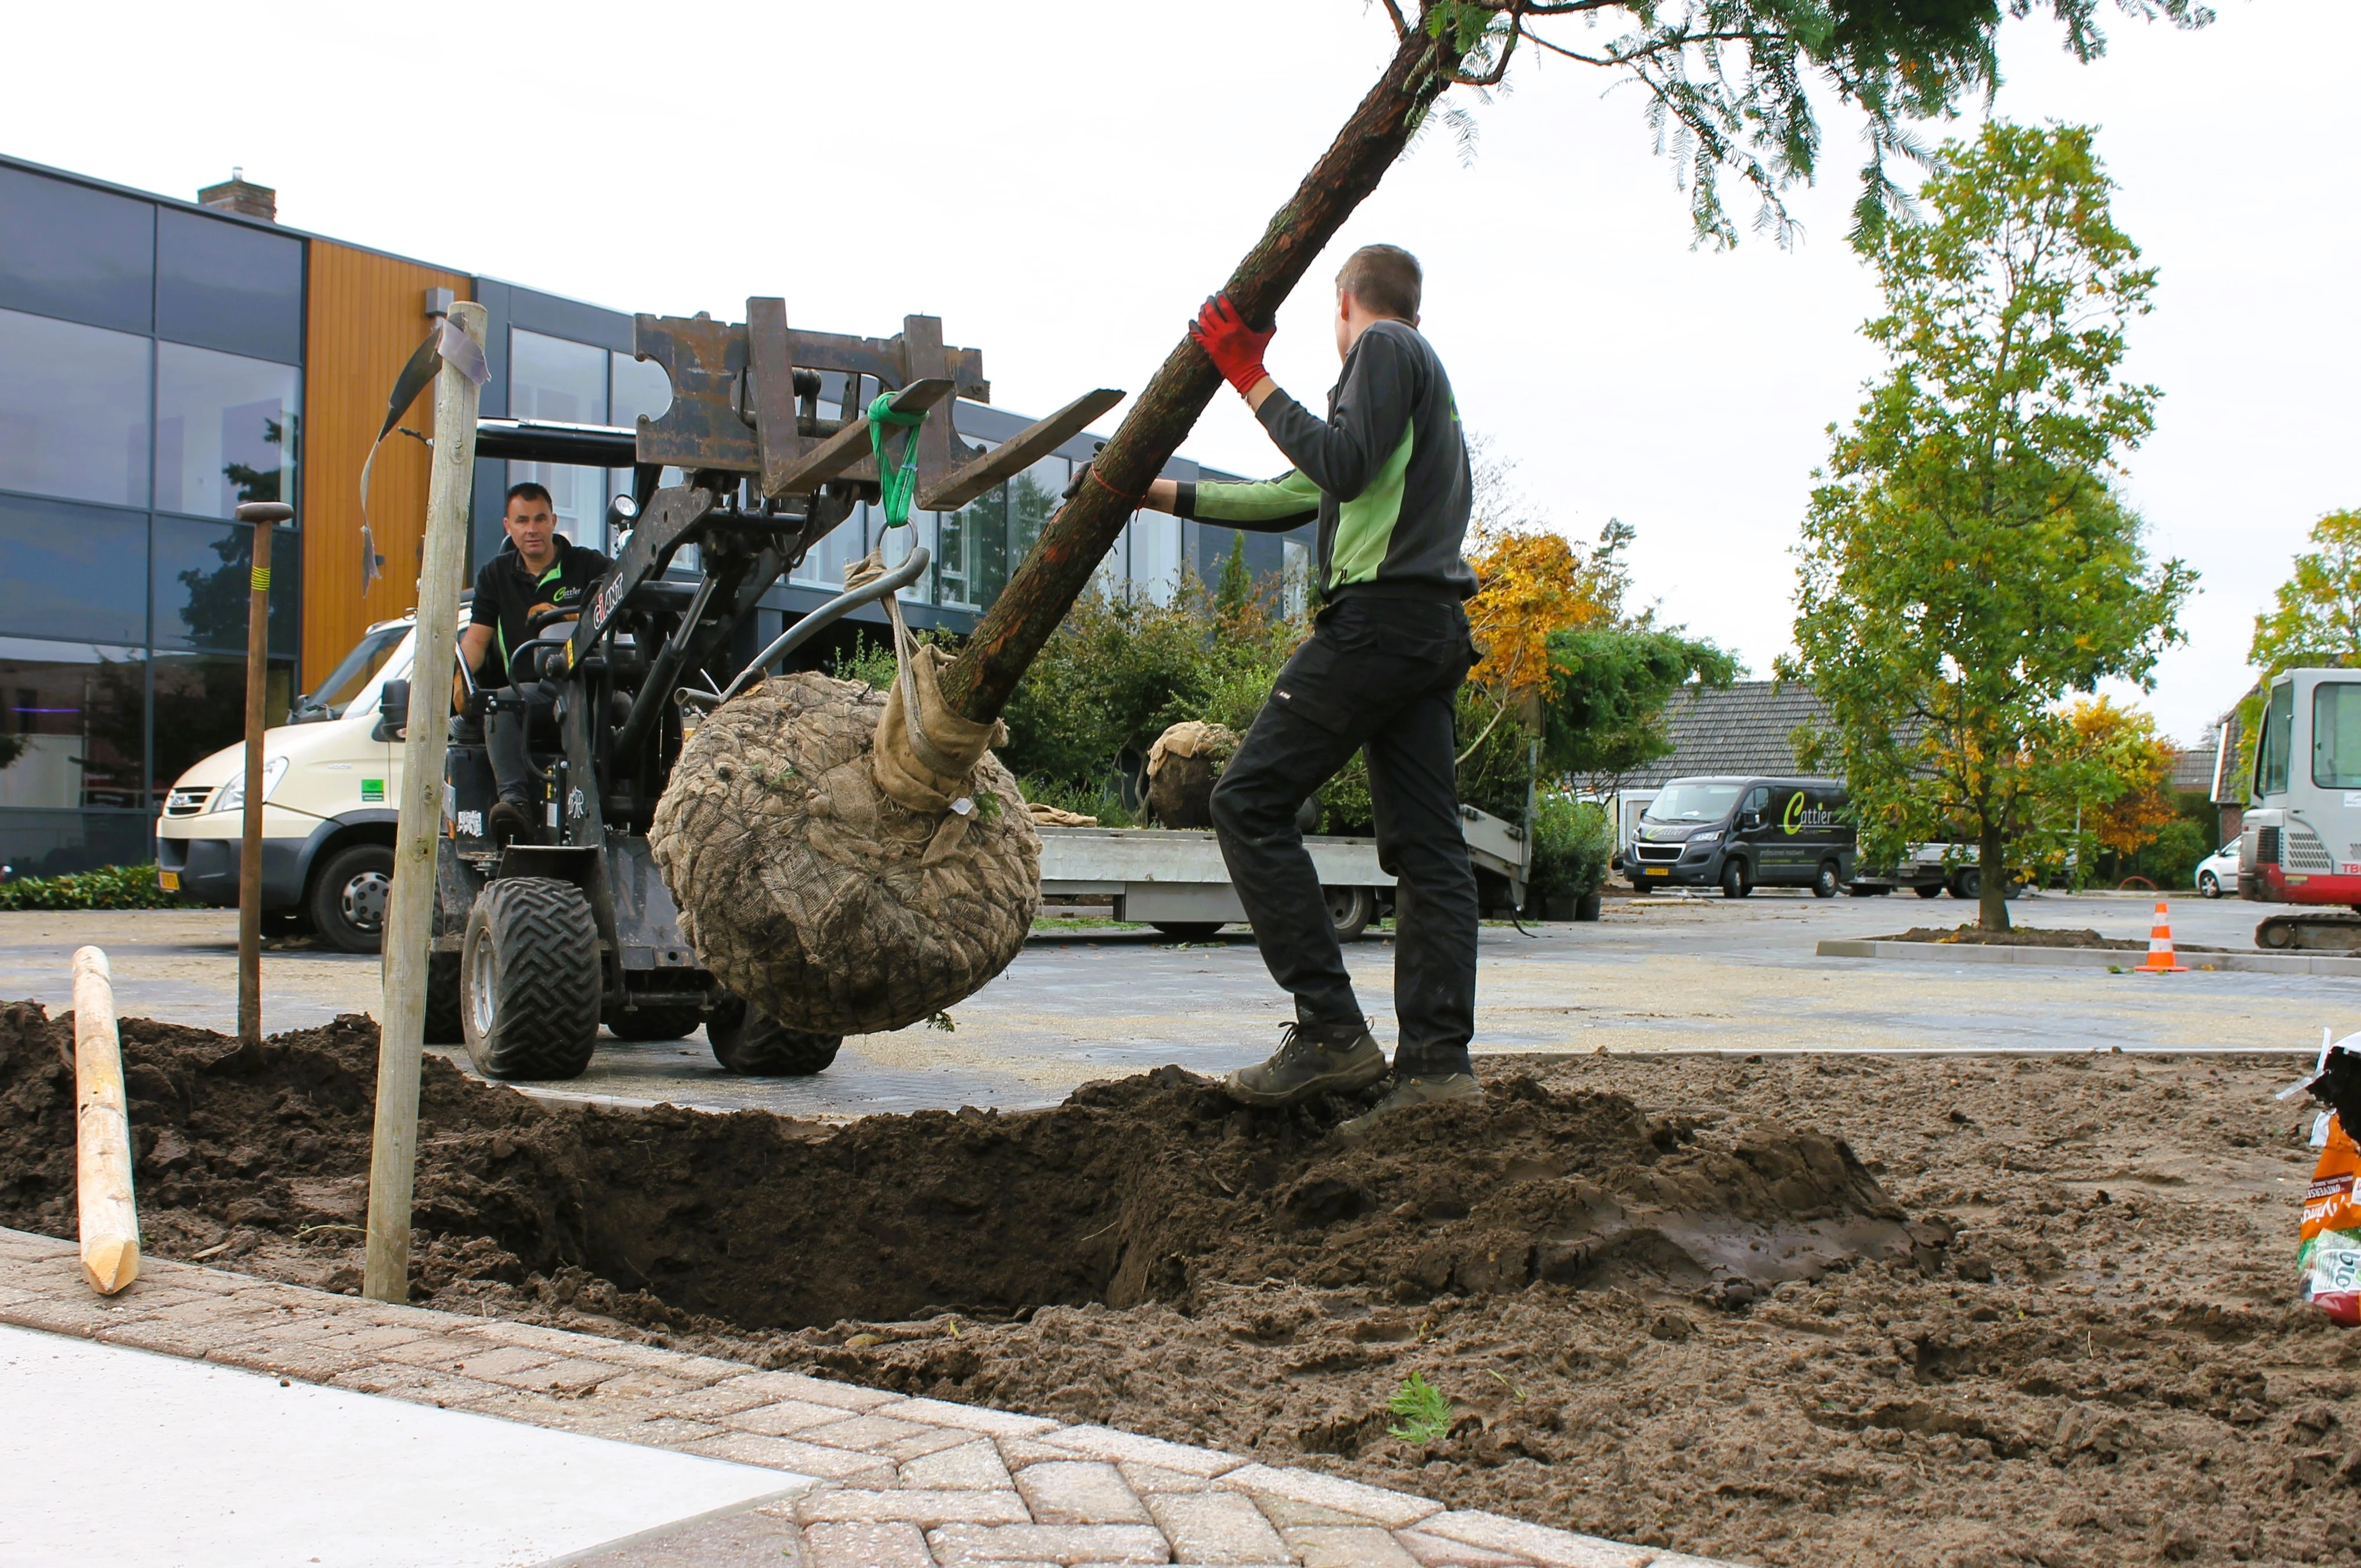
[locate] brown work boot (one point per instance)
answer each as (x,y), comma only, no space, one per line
(510,822)
(1313,1060)
(1409,1091)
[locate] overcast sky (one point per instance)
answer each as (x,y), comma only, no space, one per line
(1063,182)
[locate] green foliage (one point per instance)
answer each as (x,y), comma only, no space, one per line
(870,660)
(1611,686)
(109,887)
(1236,588)
(1966,563)
(1092,797)
(1425,1410)
(13,747)
(1120,670)
(1731,84)
(1573,840)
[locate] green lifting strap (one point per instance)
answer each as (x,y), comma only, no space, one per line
(895,482)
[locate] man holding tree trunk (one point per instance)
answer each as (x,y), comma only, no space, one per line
(1386,474)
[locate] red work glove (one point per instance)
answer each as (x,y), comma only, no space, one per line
(1235,347)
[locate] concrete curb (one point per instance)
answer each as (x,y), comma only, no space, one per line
(2086,958)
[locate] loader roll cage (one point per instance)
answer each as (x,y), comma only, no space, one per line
(537,943)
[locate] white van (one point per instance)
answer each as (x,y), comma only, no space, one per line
(329,784)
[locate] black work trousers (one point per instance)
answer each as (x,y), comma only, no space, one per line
(1378,675)
(507,740)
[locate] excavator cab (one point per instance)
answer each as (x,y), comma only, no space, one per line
(2301,840)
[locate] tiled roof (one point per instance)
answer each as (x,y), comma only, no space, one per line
(1743,728)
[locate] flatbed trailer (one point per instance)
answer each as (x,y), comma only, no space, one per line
(1174,879)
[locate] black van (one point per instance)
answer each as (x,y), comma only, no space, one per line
(1740,833)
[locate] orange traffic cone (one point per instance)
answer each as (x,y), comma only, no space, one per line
(2161,959)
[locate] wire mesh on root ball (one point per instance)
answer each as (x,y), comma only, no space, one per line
(816,896)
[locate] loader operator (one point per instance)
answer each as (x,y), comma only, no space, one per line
(536,569)
(1386,473)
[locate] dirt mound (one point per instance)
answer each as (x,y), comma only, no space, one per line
(2033,937)
(1152,1187)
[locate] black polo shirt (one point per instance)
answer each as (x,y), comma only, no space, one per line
(507,595)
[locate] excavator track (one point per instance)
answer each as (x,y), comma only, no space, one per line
(2334,931)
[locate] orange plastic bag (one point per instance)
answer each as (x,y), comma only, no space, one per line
(2330,1256)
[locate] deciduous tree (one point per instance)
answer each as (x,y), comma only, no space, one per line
(1731,85)
(1966,563)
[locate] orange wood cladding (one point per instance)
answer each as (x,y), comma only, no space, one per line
(366,312)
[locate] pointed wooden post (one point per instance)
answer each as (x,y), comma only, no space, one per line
(109,1219)
(410,910)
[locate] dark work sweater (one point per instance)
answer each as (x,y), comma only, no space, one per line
(1386,474)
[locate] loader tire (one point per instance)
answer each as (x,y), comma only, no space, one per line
(750,1045)
(530,981)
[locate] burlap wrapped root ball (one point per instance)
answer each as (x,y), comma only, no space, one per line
(808,892)
(1182,767)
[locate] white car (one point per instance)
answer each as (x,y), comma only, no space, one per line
(2218,872)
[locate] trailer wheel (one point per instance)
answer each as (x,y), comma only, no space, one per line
(348,897)
(528,978)
(1187,930)
(1928,890)
(648,1022)
(1968,883)
(1825,885)
(1350,909)
(748,1043)
(443,1008)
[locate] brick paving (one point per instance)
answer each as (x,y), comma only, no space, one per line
(897,1483)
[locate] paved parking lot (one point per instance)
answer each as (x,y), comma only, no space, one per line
(1662,973)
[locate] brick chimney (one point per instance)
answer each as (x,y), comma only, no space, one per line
(240,195)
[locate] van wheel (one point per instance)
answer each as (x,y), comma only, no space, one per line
(1733,879)
(749,1043)
(348,897)
(1825,885)
(529,980)
(1351,909)
(2210,885)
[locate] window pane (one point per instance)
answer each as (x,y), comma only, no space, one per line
(52,844)
(2336,736)
(551,378)
(73,571)
(225,429)
(228,286)
(202,578)
(71,717)
(74,411)
(2271,755)
(200,707)
(823,565)
(75,252)
(641,388)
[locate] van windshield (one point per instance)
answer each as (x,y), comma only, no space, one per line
(353,672)
(1692,803)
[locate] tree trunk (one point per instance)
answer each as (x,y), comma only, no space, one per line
(1077,539)
(1992,877)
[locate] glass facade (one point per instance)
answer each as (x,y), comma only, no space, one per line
(580,383)
(150,381)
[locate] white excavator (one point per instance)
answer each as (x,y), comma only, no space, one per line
(2301,839)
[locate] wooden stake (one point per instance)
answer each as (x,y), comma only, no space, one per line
(109,1216)
(265,518)
(410,911)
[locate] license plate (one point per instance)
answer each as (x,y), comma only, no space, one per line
(1656,870)
(169,881)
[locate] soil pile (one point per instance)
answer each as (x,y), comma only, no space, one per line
(2033,937)
(1655,1316)
(1154,1188)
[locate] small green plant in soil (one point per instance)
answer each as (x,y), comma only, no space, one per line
(1425,1410)
(109,887)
